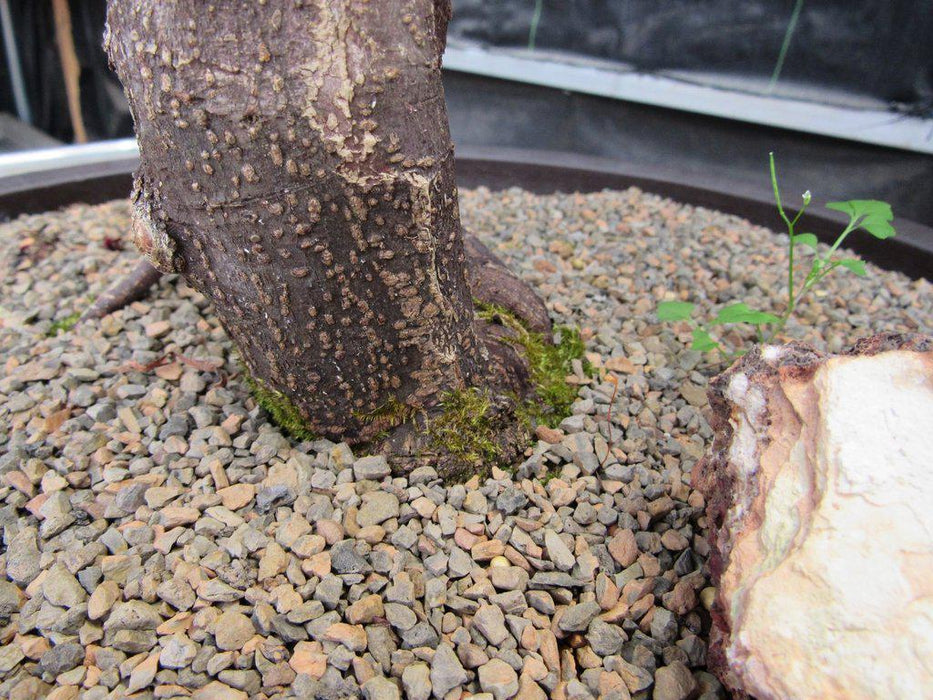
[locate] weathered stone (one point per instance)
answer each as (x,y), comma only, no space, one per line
(365,610)
(422,634)
(177,593)
(605,639)
(174,516)
(487,550)
(674,682)
(553,579)
(62,657)
(508,578)
(232,630)
(131,497)
(490,622)
(664,626)
(498,678)
(374,468)
(274,561)
(178,652)
(133,615)
(401,617)
(10,656)
(511,500)
(237,496)
(636,679)
(377,507)
(817,471)
(133,641)
(11,599)
(22,557)
(62,589)
(380,688)
(143,673)
(309,658)
(558,551)
(416,680)
(344,559)
(577,691)
(215,690)
(447,672)
(623,547)
(351,636)
(577,618)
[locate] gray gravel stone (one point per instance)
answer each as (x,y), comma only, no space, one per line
(138,450)
(380,688)
(374,468)
(558,551)
(490,622)
(62,589)
(416,681)
(511,500)
(178,652)
(377,507)
(344,559)
(674,682)
(61,658)
(605,639)
(22,557)
(447,672)
(577,618)
(133,615)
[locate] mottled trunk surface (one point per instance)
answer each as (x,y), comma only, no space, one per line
(296,167)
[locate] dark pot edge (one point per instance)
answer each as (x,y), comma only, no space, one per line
(911,252)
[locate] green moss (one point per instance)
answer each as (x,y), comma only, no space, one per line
(283,412)
(552,473)
(468,425)
(63,324)
(390,414)
(464,428)
(549,364)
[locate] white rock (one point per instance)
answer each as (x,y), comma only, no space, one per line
(824,481)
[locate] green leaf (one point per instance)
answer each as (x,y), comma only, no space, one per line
(741,313)
(857,208)
(877,227)
(674,310)
(871,215)
(855,266)
(702,341)
(807,239)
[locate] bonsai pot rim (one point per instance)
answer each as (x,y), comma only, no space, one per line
(539,171)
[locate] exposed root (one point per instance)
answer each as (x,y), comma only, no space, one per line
(133,287)
(492,283)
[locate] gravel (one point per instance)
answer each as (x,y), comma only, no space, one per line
(160,536)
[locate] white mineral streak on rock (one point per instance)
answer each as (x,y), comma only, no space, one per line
(828,586)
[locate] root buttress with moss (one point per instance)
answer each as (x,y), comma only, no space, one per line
(471,429)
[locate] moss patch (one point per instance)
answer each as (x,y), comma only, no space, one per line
(390,414)
(465,427)
(283,412)
(63,324)
(468,425)
(549,364)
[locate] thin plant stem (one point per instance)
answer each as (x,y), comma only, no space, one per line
(790,242)
(788,36)
(535,18)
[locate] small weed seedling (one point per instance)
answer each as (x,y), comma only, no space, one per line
(869,215)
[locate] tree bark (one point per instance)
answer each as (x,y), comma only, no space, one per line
(296,167)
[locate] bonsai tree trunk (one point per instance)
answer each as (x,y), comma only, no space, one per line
(296,167)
